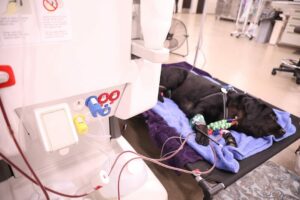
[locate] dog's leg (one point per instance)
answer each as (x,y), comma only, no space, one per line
(200,129)
(229,139)
(201,138)
(201,134)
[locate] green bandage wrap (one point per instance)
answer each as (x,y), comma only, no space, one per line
(222,124)
(197,120)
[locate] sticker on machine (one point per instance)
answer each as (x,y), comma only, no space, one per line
(17,23)
(54,20)
(50,5)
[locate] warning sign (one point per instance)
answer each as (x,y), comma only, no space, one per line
(18,24)
(50,5)
(54,20)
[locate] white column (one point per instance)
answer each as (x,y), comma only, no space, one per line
(194,5)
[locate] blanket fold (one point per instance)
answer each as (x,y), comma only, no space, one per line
(160,131)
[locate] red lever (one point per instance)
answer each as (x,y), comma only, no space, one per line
(114,95)
(103,98)
(6,70)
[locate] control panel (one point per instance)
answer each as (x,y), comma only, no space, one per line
(101,106)
(75,114)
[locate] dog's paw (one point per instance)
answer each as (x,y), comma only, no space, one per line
(230,140)
(162,93)
(202,139)
(161,98)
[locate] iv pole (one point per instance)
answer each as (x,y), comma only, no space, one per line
(200,37)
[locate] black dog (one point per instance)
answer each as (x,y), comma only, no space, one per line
(198,95)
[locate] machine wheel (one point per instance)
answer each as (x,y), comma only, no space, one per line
(273,72)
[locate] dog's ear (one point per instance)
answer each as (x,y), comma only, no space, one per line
(256,108)
(267,111)
(235,99)
(232,94)
(274,116)
(182,76)
(251,107)
(171,77)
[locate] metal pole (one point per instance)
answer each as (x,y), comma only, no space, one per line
(200,39)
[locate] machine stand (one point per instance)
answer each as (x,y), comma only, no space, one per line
(208,190)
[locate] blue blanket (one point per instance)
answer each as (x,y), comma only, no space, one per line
(227,156)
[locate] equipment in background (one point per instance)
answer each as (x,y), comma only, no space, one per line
(243,19)
(249,13)
(291,13)
(177,37)
(266,22)
(291,66)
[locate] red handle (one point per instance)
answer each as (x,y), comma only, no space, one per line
(11,80)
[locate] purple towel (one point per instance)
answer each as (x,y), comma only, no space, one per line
(160,131)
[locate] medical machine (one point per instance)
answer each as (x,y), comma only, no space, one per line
(66,73)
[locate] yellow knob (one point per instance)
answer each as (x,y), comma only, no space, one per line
(80,124)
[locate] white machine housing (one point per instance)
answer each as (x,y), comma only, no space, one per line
(94,59)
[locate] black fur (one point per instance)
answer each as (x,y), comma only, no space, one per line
(188,90)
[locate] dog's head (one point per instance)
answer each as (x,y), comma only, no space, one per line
(255,117)
(170,79)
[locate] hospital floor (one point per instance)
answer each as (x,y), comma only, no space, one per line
(240,62)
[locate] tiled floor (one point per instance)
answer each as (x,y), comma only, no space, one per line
(246,65)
